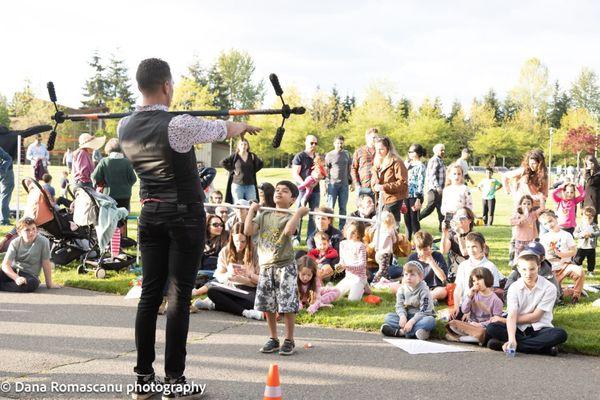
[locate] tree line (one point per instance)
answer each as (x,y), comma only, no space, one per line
(497,130)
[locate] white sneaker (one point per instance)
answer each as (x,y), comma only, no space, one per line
(253,314)
(590,274)
(295,243)
(422,334)
(204,304)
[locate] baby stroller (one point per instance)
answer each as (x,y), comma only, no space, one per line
(73,235)
(91,208)
(68,241)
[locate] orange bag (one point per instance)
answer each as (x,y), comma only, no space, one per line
(450,289)
(372,299)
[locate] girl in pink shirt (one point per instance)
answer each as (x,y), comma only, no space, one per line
(564,196)
(524,223)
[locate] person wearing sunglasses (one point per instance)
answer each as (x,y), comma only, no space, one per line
(302,166)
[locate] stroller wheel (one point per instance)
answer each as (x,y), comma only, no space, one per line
(81,269)
(100,273)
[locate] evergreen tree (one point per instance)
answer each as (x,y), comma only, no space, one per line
(216,86)
(197,73)
(336,107)
(559,107)
(492,102)
(118,82)
(454,111)
(509,109)
(404,107)
(96,89)
(347,107)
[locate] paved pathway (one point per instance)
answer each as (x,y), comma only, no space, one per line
(73,336)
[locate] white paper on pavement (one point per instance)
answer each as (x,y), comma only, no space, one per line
(415,346)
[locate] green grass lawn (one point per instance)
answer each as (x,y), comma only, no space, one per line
(582,321)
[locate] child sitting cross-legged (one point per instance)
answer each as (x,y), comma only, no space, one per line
(311,293)
(560,249)
(324,254)
(478,307)
(414,307)
(528,327)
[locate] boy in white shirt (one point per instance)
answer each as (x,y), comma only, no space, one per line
(560,249)
(528,327)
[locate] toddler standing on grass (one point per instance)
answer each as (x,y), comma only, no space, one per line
(587,234)
(566,201)
(414,316)
(524,223)
(456,194)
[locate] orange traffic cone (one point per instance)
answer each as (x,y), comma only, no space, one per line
(272,389)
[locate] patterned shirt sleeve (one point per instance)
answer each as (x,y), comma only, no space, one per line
(186,131)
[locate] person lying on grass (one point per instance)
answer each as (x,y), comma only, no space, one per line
(27,255)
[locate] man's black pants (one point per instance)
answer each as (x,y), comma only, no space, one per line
(171,240)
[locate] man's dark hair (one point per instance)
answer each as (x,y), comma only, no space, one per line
(293,189)
(339,137)
(151,74)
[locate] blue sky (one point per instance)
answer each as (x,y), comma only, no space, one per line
(452,49)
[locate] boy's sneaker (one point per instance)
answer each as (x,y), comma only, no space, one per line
(422,334)
(495,344)
(181,389)
(254,314)
(271,346)
(590,274)
(288,348)
(146,386)
(553,351)
(389,331)
(204,304)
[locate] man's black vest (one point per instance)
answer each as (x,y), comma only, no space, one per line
(165,174)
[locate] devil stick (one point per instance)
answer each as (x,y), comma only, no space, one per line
(285,111)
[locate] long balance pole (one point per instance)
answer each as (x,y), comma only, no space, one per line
(286,210)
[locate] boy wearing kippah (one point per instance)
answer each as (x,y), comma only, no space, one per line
(414,307)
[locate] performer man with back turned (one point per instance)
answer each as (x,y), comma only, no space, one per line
(160,146)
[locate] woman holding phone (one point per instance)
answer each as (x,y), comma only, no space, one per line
(236,276)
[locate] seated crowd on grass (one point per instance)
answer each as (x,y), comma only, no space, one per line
(368,252)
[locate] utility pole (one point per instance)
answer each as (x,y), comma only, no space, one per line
(550,158)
